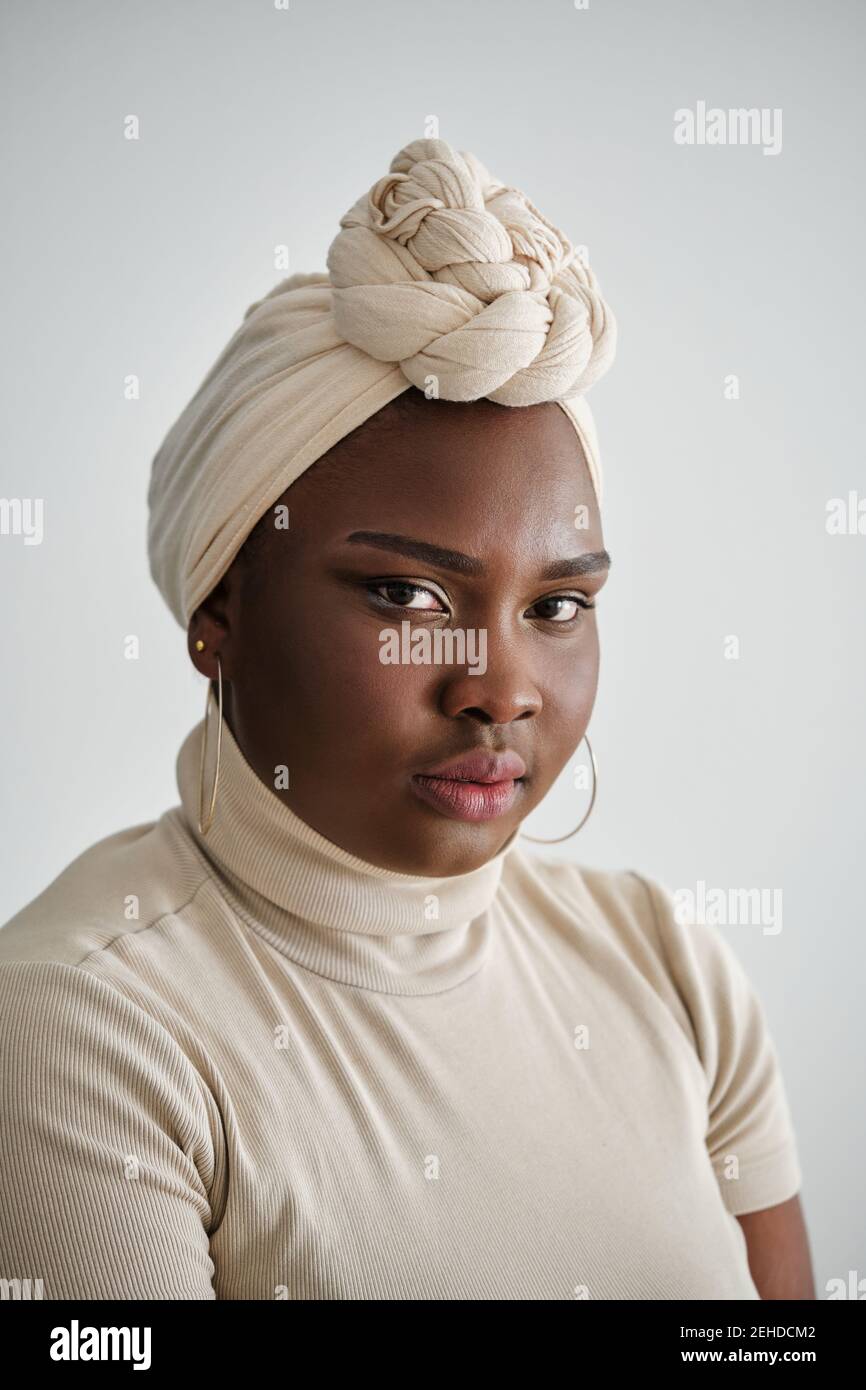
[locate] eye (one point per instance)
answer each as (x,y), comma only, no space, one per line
(404,594)
(573,604)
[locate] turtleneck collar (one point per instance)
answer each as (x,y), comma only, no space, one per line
(329,911)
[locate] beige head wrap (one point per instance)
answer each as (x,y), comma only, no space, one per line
(442,278)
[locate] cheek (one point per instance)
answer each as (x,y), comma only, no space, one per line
(331,677)
(569,686)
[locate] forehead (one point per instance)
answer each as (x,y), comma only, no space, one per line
(451,457)
(437,429)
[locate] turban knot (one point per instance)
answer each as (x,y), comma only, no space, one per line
(460,279)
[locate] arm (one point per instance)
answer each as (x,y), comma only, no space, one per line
(750,1138)
(105,1151)
(778,1244)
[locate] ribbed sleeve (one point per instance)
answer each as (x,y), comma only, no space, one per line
(750,1135)
(105,1154)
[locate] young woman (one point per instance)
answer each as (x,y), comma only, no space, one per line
(327,1029)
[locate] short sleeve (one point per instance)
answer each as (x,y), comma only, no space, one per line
(750,1138)
(105,1146)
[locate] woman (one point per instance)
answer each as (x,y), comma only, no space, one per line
(326,1030)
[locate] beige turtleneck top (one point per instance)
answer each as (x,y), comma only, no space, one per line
(253,1066)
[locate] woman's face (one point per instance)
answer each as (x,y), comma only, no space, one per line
(439,515)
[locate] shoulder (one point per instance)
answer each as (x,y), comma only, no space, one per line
(638,910)
(628,907)
(636,918)
(616,893)
(62,1027)
(697,973)
(118,886)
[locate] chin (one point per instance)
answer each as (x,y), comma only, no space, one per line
(440,850)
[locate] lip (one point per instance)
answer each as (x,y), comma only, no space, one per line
(479,765)
(474,786)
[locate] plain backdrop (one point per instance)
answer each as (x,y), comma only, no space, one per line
(259,127)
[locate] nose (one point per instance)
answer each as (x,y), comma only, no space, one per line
(501,694)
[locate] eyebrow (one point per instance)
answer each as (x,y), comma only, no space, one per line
(589,563)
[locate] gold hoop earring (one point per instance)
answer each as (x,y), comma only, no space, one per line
(559,838)
(204,828)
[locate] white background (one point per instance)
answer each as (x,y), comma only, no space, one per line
(261,127)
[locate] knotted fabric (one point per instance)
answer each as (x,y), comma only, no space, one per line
(440,277)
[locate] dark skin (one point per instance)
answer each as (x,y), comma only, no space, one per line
(297,629)
(296,622)
(780,1261)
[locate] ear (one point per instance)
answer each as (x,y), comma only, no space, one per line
(210,625)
